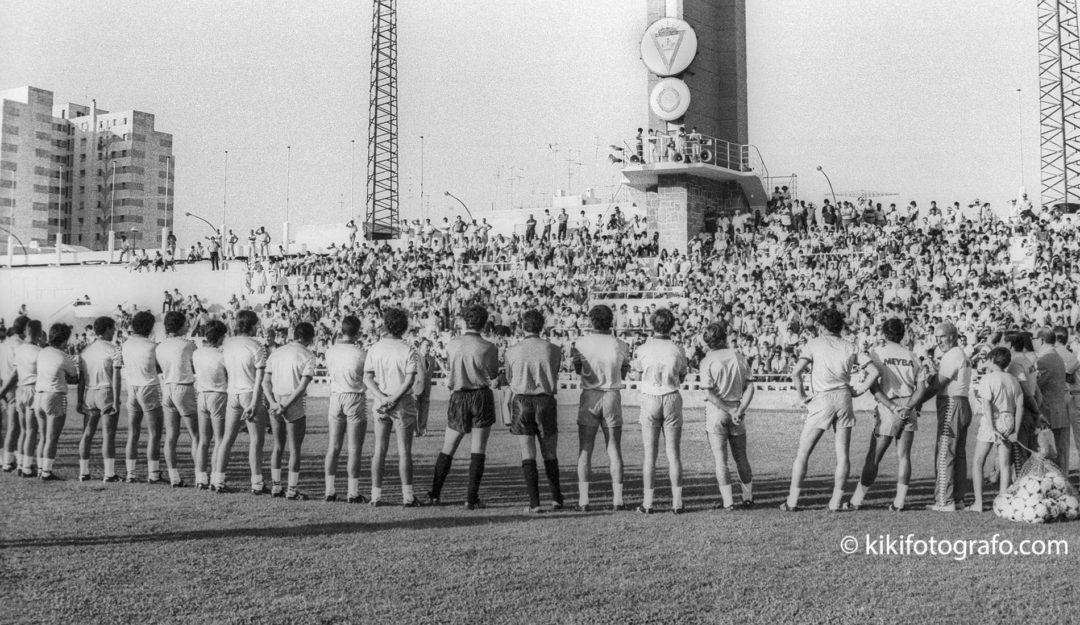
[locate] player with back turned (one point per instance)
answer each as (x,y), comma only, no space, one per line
(532,372)
(603,362)
(178,401)
(473,368)
(101,377)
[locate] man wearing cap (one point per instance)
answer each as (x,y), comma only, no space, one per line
(952,383)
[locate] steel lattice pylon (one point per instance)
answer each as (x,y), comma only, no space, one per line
(1059,101)
(382,164)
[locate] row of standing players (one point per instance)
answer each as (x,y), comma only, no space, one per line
(230,382)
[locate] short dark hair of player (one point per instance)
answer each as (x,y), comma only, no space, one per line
(59,334)
(33,329)
(142,323)
(475,317)
(532,321)
(662,321)
(19,325)
(215,331)
(350,326)
(1061,333)
(601,317)
(1001,357)
(1022,342)
(304,332)
(1046,335)
(174,322)
(396,321)
(715,337)
(832,320)
(893,330)
(246,322)
(103,325)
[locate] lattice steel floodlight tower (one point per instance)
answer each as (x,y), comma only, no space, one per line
(381,219)
(1059,101)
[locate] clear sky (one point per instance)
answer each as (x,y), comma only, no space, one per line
(518,97)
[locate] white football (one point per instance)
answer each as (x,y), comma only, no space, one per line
(1038,511)
(1003,505)
(1070,506)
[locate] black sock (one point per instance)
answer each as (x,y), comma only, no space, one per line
(551,467)
(476,472)
(532,482)
(442,468)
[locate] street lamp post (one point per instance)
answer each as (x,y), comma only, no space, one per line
(448,194)
(225,191)
(288,178)
(352,178)
(112,195)
(828,181)
(205,221)
(421,176)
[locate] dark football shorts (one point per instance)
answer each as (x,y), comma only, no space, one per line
(534,415)
(469,409)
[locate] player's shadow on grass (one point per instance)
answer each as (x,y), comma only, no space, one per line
(291,531)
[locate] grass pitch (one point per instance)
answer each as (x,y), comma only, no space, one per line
(91,552)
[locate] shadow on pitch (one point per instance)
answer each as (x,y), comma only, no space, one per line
(292,531)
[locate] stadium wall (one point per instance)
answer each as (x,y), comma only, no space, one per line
(50,292)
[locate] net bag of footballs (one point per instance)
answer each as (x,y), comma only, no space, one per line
(1041,494)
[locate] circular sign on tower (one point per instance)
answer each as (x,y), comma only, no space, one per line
(668,47)
(669,99)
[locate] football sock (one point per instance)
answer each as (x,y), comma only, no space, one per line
(860,494)
(901,494)
(551,468)
(201,477)
(331,485)
(748,491)
(647,500)
(257,481)
(837,497)
(354,486)
(442,468)
(407,493)
(294,479)
(376,493)
(275,476)
(153,467)
(676,497)
(41,461)
(793,497)
(174,476)
(130,464)
(110,467)
(84,467)
(47,465)
(583,493)
(725,494)
(476,473)
(217,479)
(532,482)
(617,492)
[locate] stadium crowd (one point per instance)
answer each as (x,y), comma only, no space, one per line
(784,289)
